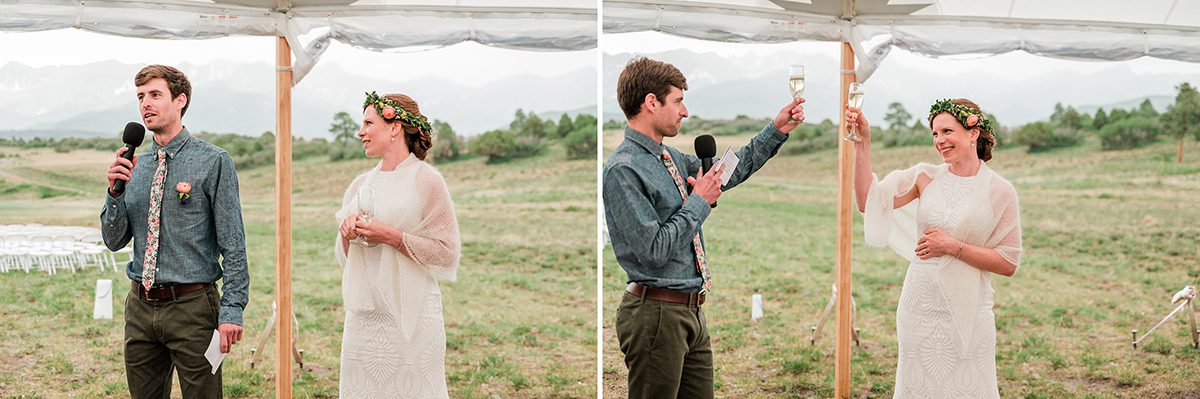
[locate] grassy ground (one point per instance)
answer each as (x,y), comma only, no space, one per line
(1108,237)
(520,319)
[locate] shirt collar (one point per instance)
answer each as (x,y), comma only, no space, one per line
(643,140)
(175,145)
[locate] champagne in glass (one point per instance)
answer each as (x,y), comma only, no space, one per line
(366,211)
(796,80)
(854,100)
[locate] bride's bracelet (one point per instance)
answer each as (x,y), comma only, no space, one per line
(960,247)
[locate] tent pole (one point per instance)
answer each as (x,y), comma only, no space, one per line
(283,217)
(844,230)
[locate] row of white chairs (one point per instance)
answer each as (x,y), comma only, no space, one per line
(53,248)
(79,232)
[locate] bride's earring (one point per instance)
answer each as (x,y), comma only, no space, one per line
(394,139)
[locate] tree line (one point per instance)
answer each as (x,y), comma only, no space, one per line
(1116,128)
(530,135)
(527,135)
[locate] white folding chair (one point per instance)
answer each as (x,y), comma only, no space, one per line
(67,250)
(41,250)
(92,247)
(18,246)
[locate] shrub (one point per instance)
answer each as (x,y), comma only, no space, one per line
(1131,132)
(903,137)
(581,142)
(446,145)
(495,145)
(1044,136)
(809,138)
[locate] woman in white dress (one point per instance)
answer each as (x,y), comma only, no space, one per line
(397,236)
(957,224)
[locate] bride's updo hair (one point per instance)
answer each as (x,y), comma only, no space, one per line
(419,141)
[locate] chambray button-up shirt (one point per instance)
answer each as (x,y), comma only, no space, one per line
(650,224)
(194,237)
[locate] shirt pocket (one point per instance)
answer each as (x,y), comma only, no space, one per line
(190,213)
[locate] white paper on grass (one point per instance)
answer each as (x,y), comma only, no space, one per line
(213,354)
(756,309)
(730,160)
(104,301)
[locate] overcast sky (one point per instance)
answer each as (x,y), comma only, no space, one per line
(467,63)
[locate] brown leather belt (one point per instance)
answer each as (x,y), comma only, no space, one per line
(665,295)
(166,292)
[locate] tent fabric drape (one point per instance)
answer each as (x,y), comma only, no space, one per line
(1068,29)
(392,25)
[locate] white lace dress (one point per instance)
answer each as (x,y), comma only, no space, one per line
(394,339)
(944,322)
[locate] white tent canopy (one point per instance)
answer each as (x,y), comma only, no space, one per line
(386,25)
(1103,30)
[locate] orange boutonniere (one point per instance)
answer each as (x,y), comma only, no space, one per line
(184,189)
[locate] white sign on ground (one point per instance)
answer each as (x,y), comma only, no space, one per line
(104,301)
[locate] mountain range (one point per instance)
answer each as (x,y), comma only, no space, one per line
(227,97)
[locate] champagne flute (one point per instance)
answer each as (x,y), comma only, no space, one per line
(366,211)
(796,80)
(854,100)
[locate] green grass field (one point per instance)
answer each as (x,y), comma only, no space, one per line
(1108,238)
(520,319)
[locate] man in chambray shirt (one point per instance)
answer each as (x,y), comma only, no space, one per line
(654,217)
(181,209)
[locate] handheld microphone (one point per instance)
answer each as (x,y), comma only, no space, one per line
(706,149)
(133,136)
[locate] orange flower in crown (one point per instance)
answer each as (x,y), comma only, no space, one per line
(392,112)
(965,116)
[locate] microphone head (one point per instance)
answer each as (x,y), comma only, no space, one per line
(134,134)
(706,146)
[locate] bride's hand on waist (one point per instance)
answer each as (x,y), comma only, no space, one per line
(934,242)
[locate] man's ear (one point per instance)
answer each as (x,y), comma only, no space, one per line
(650,101)
(182,98)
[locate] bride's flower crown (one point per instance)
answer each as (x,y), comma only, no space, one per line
(389,110)
(965,116)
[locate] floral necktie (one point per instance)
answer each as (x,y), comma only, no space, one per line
(153,220)
(701,262)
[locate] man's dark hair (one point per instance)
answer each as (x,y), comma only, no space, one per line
(643,76)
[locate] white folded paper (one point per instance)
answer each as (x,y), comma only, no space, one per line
(730,160)
(213,354)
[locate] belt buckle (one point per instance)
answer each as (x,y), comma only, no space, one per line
(161,290)
(146,295)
